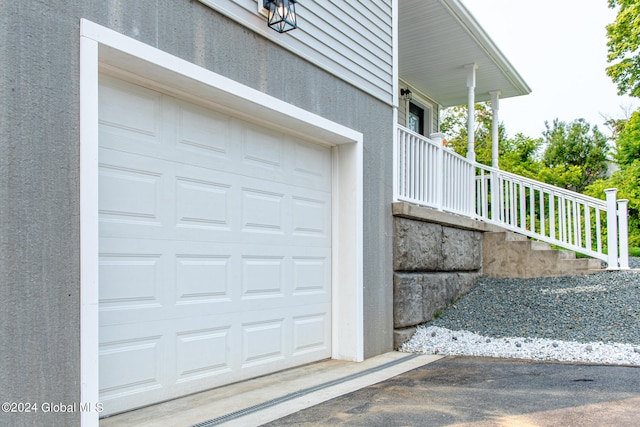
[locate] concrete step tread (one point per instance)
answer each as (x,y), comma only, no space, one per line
(540,246)
(508,235)
(565,254)
(517,256)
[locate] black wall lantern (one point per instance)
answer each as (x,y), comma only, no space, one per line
(406,94)
(281,14)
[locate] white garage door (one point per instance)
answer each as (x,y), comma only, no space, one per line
(215,248)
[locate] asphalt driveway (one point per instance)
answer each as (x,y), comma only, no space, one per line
(468,391)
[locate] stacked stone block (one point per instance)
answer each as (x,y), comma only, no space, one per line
(433,265)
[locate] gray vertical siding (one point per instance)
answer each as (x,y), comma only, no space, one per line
(39,166)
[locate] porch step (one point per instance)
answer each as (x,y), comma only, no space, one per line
(511,255)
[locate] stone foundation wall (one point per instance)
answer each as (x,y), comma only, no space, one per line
(434,263)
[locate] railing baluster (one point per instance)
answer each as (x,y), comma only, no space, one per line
(523,207)
(598,231)
(514,205)
(572,232)
(405,161)
(532,209)
(505,201)
(587,227)
(552,216)
(542,216)
(485,195)
(562,222)
(577,227)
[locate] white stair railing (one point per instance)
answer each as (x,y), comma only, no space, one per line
(429,174)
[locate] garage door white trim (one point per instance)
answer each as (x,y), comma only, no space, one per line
(105,49)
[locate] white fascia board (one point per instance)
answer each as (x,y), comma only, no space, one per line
(466,19)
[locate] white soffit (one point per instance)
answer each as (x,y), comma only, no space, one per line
(437,38)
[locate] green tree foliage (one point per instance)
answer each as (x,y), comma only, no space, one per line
(627,181)
(628,141)
(571,155)
(576,154)
(624,47)
(454,124)
(521,155)
(627,178)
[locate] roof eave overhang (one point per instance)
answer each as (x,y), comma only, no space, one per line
(437,39)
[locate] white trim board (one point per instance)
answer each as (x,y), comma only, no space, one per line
(102,49)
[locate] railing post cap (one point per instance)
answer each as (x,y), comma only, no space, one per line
(437,135)
(611,190)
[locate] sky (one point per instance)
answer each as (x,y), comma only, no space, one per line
(559,48)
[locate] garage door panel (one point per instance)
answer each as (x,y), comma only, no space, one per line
(262,210)
(130,362)
(271,341)
(311,275)
(203,204)
(311,166)
(311,216)
(129,195)
(209,139)
(302,217)
(203,278)
(263,342)
(262,149)
(203,353)
(124,140)
(134,279)
(311,333)
(215,249)
(272,156)
(182,279)
(134,275)
(142,115)
(202,133)
(263,277)
(208,203)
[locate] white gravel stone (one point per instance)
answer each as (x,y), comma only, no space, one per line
(437,340)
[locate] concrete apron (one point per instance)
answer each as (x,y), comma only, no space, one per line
(261,400)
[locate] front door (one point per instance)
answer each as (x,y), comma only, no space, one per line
(416,118)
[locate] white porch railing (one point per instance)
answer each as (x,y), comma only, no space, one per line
(429,174)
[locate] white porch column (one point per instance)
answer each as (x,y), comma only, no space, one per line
(471,86)
(495,134)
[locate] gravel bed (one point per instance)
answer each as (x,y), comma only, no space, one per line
(593,318)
